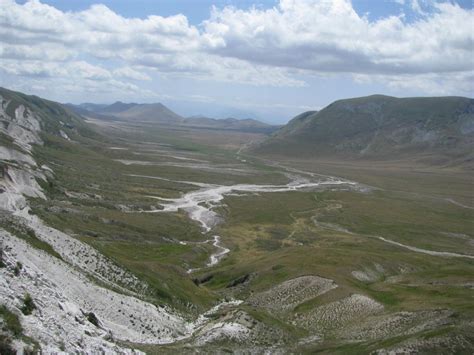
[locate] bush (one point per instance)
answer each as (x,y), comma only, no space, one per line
(2,263)
(28,305)
(91,317)
(31,233)
(6,345)
(11,323)
(18,268)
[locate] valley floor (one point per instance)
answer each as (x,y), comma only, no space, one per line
(176,241)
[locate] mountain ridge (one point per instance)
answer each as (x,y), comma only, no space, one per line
(440,129)
(116,107)
(161,114)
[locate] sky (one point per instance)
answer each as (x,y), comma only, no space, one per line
(269,60)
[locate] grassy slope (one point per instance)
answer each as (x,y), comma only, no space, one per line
(53,116)
(136,241)
(273,237)
(149,113)
(435,130)
(140,242)
(295,246)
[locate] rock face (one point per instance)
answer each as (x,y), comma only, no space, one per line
(435,129)
(23,121)
(20,129)
(61,284)
(83,302)
(65,297)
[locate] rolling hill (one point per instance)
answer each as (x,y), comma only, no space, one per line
(90,106)
(435,130)
(157,112)
(133,112)
(116,107)
(160,114)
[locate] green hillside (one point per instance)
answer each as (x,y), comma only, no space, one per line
(109,216)
(158,113)
(438,130)
(53,116)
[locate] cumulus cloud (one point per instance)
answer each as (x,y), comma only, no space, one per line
(330,36)
(278,46)
(430,83)
(167,44)
(130,73)
(74,69)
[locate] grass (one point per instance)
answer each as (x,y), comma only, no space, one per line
(12,329)
(412,221)
(139,242)
(269,320)
(270,251)
(272,236)
(11,322)
(7,141)
(159,266)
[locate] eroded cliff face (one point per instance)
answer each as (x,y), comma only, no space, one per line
(72,311)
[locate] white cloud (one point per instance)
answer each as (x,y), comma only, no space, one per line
(430,84)
(129,73)
(207,66)
(167,44)
(275,47)
(330,36)
(415,6)
(39,68)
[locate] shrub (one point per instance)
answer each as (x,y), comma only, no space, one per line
(91,317)
(2,263)
(28,305)
(6,345)
(31,233)
(11,323)
(18,268)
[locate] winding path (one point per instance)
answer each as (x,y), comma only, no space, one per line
(429,252)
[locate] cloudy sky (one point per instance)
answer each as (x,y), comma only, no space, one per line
(250,58)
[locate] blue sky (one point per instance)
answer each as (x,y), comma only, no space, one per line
(198,10)
(264,59)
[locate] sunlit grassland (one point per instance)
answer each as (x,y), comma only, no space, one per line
(144,243)
(273,237)
(277,239)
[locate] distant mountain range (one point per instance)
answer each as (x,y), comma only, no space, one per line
(160,114)
(433,130)
(437,130)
